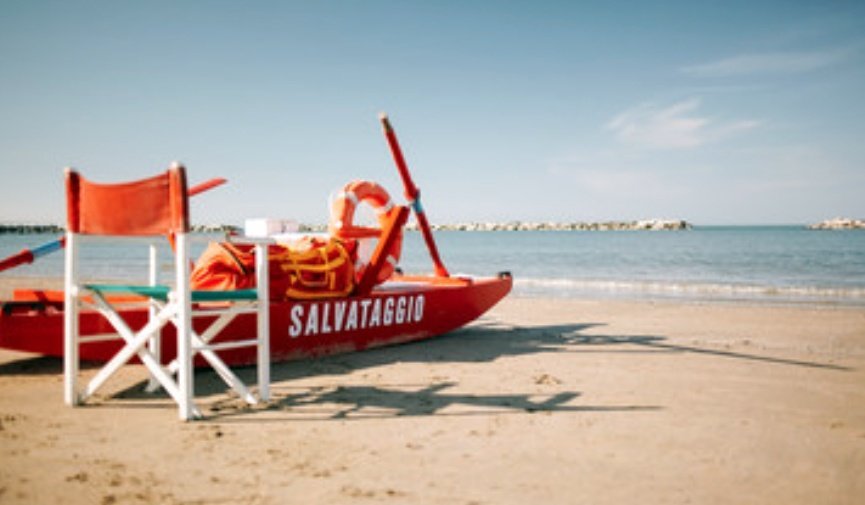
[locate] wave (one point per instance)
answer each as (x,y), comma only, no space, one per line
(694,290)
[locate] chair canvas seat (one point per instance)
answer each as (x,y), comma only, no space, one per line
(155,206)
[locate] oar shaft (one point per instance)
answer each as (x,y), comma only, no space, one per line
(26,256)
(21,258)
(411,191)
(50,247)
(206,185)
(412,194)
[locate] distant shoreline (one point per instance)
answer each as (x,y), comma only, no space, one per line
(476,226)
(646,224)
(839,223)
(33,229)
(26,229)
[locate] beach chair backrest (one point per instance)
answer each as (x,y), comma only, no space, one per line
(151,206)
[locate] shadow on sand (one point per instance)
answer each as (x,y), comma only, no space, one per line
(39,365)
(479,343)
(376,402)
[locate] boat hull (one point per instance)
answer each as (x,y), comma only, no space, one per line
(407,309)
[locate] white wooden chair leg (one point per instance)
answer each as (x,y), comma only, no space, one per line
(155,344)
(182,297)
(70,322)
(263,321)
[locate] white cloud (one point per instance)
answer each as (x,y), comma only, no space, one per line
(769,63)
(675,127)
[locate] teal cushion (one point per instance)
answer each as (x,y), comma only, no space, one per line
(158,292)
(161,292)
(216,296)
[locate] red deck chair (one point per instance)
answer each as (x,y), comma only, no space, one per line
(155,207)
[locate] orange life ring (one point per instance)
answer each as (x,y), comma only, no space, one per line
(342,222)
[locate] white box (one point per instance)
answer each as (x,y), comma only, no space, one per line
(268,227)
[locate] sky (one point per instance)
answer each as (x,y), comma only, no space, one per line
(715,112)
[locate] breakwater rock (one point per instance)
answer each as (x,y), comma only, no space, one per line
(216,228)
(20,229)
(839,223)
(647,224)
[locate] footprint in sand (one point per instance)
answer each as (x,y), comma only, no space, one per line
(547,380)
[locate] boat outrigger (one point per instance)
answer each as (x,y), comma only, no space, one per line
(376,306)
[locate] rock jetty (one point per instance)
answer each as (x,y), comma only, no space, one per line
(839,223)
(216,228)
(20,229)
(647,224)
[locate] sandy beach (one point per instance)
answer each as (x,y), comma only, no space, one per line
(541,401)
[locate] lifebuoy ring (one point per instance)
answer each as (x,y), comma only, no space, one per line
(342,222)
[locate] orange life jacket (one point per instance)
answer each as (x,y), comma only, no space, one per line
(311,269)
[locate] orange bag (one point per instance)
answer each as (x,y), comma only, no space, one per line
(224,267)
(313,268)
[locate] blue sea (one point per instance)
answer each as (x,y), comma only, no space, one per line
(781,264)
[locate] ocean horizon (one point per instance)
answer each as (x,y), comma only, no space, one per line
(767,263)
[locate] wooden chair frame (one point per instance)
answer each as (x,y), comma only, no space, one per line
(175,306)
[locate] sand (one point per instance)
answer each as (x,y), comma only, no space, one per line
(541,401)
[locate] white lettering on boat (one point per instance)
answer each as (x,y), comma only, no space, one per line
(321,318)
(388,312)
(312,320)
(338,314)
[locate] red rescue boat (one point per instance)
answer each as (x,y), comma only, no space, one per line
(403,309)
